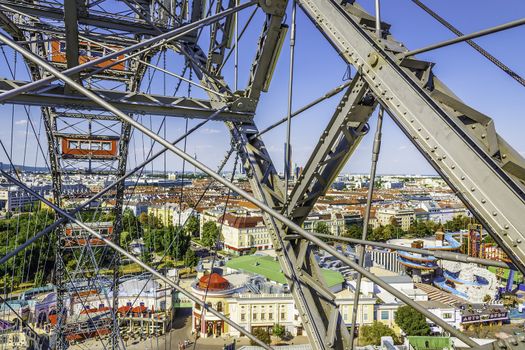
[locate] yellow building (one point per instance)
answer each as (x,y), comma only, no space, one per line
(163,212)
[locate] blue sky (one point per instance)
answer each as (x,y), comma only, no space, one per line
(319,69)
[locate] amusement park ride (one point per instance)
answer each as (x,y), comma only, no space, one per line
(86,68)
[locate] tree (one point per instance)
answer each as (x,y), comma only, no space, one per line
(143,218)
(371,334)
(353,231)
(459,222)
(210,233)
(125,239)
(192,226)
(190,259)
(278,330)
(411,321)
(322,227)
(180,244)
(131,224)
(261,334)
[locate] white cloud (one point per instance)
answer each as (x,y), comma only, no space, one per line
(21,122)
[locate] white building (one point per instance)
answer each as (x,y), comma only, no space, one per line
(404,217)
(241,233)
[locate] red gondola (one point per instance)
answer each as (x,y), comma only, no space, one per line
(94,148)
(76,235)
(87,52)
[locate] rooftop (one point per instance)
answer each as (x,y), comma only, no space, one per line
(434,304)
(268,267)
(397,279)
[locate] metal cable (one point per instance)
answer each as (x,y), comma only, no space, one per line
(215,246)
(476,47)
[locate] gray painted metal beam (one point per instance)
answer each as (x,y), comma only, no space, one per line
(466,37)
(122,251)
(71,31)
(97,20)
(268,49)
(137,103)
(493,193)
(262,205)
(336,145)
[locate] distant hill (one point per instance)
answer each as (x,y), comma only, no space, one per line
(27,169)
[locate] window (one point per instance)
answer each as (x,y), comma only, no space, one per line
(106,146)
(282,316)
(447,315)
(385,315)
(254,317)
(365,317)
(263,316)
(84,145)
(243,317)
(219,306)
(62,46)
(73,144)
(270,316)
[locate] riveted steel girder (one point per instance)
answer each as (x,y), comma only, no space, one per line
(129,102)
(459,142)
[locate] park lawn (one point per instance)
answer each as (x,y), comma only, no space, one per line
(270,268)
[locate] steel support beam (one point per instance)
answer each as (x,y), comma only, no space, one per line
(153,42)
(467,37)
(122,251)
(71,31)
(100,194)
(332,334)
(268,49)
(129,102)
(126,24)
(459,142)
(336,144)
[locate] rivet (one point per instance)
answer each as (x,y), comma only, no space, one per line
(472,189)
(494,214)
(483,201)
(506,227)
(463,178)
(453,167)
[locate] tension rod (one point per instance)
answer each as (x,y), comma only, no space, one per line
(459,39)
(375,156)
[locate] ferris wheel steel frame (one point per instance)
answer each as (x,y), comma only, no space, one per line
(486,173)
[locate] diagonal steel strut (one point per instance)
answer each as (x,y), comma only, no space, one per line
(264,207)
(169,36)
(122,251)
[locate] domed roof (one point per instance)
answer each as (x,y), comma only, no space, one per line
(213,282)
